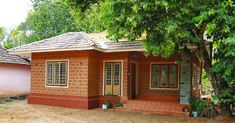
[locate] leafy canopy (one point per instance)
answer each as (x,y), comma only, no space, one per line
(48,19)
(169,24)
(53,17)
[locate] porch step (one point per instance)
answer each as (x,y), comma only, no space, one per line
(160,108)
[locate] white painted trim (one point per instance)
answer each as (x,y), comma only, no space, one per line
(46,74)
(150,77)
(121,75)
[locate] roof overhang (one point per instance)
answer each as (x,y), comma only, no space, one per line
(28,53)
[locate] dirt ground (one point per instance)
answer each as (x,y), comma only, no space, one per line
(21,112)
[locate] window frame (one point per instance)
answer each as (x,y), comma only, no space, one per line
(164,63)
(46,76)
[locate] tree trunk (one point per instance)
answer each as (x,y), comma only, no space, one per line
(207,65)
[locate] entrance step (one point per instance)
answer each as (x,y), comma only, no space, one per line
(160,108)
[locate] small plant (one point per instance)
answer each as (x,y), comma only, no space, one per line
(203,107)
(108,103)
(119,105)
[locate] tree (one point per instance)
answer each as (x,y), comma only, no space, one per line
(224,69)
(53,17)
(47,19)
(83,5)
(86,15)
(170,25)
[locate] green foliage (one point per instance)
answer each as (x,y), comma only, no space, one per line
(169,24)
(224,69)
(225,64)
(7,104)
(89,20)
(170,27)
(53,17)
(199,105)
(48,19)
(206,85)
(8,45)
(83,5)
(225,97)
(119,105)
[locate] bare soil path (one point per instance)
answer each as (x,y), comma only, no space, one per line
(21,112)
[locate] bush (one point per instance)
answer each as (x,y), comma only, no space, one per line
(225,97)
(199,105)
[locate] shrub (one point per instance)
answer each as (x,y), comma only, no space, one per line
(199,105)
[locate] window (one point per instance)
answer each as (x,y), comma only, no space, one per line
(164,76)
(112,78)
(57,73)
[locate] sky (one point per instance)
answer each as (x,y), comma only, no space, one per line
(13,12)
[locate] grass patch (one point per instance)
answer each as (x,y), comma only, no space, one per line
(7,104)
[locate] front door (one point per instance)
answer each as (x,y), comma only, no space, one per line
(133,80)
(112,78)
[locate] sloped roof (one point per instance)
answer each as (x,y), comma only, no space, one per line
(78,41)
(123,45)
(64,41)
(5,57)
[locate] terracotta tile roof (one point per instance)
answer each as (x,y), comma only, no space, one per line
(77,41)
(64,41)
(5,57)
(123,45)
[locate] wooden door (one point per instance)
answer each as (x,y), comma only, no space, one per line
(112,78)
(133,80)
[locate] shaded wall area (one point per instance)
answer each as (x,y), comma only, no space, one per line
(144,91)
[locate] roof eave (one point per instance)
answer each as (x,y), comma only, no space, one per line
(29,52)
(15,63)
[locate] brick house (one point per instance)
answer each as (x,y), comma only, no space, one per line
(79,70)
(14,74)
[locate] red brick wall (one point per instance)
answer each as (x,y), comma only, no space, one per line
(93,73)
(78,73)
(76,95)
(85,78)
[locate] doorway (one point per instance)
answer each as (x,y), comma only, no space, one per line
(133,84)
(112,78)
